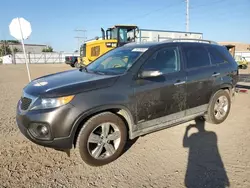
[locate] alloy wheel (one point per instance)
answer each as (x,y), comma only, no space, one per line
(221,107)
(104,140)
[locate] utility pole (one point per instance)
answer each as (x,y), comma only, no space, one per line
(4,45)
(187,16)
(80,38)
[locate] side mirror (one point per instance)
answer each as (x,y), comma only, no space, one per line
(150,73)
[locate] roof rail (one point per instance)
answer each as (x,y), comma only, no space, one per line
(138,42)
(189,39)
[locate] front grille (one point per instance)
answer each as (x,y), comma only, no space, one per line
(83,50)
(25,103)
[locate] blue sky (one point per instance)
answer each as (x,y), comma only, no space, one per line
(53,22)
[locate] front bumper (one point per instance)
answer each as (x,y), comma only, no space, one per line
(56,143)
(59,121)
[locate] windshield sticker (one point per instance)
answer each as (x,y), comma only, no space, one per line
(139,50)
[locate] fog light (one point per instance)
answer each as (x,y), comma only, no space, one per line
(44,130)
(40,131)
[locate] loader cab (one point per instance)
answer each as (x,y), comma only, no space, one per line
(115,36)
(122,33)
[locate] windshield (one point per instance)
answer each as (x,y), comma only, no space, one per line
(116,61)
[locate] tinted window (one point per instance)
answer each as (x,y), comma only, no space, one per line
(165,60)
(215,56)
(196,57)
(225,53)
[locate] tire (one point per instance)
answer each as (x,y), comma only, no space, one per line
(94,126)
(244,67)
(212,113)
(76,64)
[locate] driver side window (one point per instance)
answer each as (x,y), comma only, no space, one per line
(166,60)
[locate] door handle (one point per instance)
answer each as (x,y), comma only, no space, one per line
(216,74)
(179,83)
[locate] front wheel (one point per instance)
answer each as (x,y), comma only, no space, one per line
(102,139)
(76,64)
(219,107)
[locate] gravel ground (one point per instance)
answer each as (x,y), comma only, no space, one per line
(217,157)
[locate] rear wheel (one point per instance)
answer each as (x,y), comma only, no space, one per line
(219,107)
(102,139)
(244,67)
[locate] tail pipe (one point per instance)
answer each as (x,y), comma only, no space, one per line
(103,33)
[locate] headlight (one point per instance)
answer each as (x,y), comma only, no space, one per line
(46,103)
(111,44)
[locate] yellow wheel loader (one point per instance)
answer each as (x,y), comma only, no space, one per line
(241,61)
(115,36)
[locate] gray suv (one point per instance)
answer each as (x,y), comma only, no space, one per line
(130,91)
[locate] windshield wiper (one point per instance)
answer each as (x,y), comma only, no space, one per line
(83,68)
(99,72)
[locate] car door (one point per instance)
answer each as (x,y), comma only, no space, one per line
(162,96)
(217,59)
(201,75)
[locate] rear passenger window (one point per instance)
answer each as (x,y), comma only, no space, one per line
(215,56)
(196,57)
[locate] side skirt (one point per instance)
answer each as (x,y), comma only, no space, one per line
(164,125)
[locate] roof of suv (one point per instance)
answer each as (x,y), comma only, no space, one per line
(151,44)
(141,45)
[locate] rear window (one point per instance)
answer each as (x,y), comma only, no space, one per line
(196,56)
(226,54)
(215,56)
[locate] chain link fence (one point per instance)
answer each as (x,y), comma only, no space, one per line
(38,58)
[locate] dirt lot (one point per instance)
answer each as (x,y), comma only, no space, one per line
(216,157)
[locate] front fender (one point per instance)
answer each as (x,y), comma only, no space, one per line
(122,110)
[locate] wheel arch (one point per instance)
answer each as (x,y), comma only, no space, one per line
(122,111)
(209,115)
(228,87)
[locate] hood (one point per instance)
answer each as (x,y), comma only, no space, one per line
(68,83)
